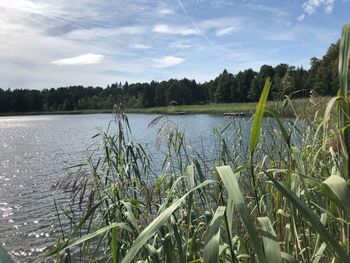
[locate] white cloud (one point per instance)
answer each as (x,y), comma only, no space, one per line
(141,46)
(310,6)
(85,59)
(97,32)
(301,17)
(27,52)
(165,11)
(329,8)
(222,22)
(167,61)
(25,6)
(176,30)
(221,26)
(64,11)
(224,31)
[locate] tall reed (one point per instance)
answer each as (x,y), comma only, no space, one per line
(281,197)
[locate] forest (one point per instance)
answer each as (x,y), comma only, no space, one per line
(245,86)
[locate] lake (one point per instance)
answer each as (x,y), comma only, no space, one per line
(36,151)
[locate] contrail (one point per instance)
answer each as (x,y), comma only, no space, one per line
(202,32)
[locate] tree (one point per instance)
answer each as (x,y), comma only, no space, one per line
(160,97)
(258,82)
(277,92)
(244,81)
(224,84)
(148,94)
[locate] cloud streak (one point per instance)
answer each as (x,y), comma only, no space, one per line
(301,17)
(167,61)
(175,30)
(166,11)
(85,59)
(224,31)
(97,32)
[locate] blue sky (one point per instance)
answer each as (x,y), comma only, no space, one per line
(52,43)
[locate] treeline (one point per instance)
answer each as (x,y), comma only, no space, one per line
(245,86)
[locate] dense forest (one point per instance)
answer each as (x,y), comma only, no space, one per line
(245,86)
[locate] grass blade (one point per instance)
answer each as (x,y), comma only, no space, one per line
(212,237)
(344,55)
(230,181)
(286,136)
(314,221)
(114,245)
(338,191)
(96,233)
(326,118)
(258,118)
(271,247)
(150,230)
(344,108)
(319,253)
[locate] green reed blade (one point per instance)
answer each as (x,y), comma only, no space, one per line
(230,181)
(338,191)
(271,247)
(97,233)
(344,107)
(212,237)
(312,218)
(151,229)
(258,118)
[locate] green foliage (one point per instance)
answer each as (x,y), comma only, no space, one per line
(294,207)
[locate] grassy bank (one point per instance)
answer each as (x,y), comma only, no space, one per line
(302,107)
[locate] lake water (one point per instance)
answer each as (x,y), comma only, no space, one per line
(35,151)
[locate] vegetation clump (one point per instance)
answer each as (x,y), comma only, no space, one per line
(282,196)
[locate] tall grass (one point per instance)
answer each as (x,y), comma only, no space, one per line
(281,197)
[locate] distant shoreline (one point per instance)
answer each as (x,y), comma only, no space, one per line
(211,108)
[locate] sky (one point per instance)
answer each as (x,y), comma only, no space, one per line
(54,43)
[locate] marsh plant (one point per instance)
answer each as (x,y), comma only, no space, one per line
(282,195)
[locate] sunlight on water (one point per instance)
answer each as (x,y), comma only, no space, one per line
(35,151)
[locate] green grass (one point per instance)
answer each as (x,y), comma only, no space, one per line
(304,107)
(212,108)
